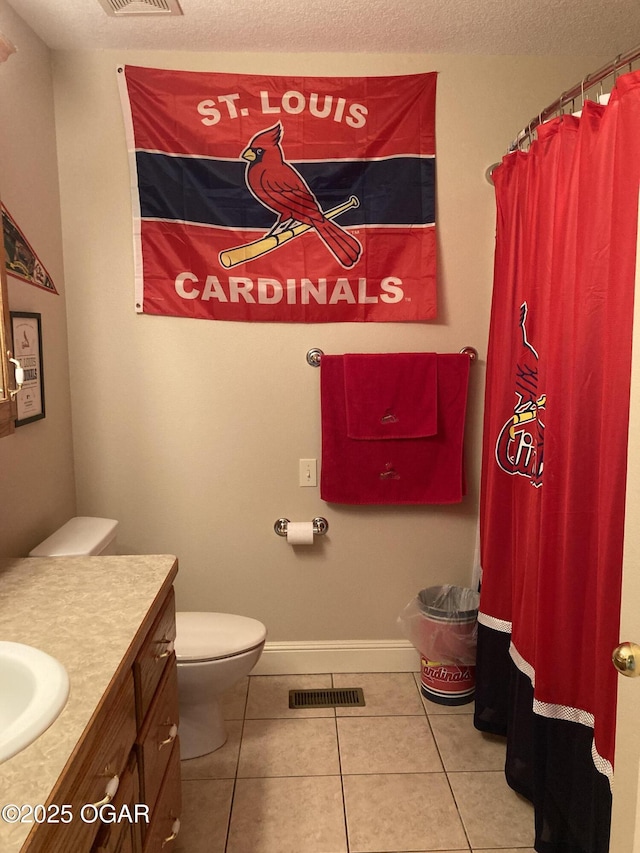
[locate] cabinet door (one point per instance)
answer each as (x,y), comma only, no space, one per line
(154,655)
(157,738)
(165,820)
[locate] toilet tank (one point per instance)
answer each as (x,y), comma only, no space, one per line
(80,536)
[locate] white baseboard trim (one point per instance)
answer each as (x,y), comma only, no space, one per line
(299,658)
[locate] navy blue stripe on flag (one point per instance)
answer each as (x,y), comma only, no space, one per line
(393,191)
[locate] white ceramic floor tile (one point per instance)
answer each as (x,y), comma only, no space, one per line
(387,745)
(386,693)
(307,747)
(409,811)
(302,815)
(234,699)
(463,747)
(221,764)
(206,805)
(493,814)
(269,696)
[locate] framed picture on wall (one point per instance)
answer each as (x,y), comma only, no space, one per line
(27,350)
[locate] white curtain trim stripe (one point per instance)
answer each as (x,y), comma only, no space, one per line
(562,712)
(495,624)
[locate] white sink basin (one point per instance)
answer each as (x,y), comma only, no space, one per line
(33,690)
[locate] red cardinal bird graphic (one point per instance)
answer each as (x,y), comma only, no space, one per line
(279,187)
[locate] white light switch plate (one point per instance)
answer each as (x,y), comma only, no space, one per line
(308,472)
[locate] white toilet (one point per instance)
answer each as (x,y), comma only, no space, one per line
(213,650)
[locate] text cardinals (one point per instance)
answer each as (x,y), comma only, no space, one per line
(270,291)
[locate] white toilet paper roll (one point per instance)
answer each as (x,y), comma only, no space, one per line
(300,533)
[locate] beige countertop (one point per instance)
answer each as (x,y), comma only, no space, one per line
(86,612)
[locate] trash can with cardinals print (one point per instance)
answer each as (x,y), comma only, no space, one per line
(441,622)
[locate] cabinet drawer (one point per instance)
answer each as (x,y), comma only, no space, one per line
(165,818)
(155,653)
(122,833)
(157,739)
(108,750)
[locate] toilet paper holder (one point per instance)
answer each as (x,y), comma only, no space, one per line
(320,526)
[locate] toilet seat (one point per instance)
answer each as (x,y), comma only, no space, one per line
(213,636)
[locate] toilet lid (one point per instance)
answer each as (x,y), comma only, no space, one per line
(207,636)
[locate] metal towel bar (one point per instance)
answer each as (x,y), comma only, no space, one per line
(314,356)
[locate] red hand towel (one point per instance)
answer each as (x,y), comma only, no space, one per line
(401,471)
(391,395)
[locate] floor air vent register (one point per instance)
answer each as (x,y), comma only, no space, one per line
(344,697)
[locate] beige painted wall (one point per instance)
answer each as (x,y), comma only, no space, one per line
(189,432)
(37,489)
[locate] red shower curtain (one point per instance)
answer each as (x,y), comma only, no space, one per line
(554,463)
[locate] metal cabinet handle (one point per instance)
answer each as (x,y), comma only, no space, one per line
(167,651)
(175,829)
(109,792)
(173,734)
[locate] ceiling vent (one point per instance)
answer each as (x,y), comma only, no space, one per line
(123,8)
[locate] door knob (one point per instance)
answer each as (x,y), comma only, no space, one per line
(626,659)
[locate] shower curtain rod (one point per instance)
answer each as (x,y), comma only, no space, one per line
(577,91)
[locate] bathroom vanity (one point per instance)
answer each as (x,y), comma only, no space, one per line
(111,622)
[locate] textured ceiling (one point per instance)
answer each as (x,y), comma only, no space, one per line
(376,26)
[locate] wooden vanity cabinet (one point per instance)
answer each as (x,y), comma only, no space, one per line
(157,752)
(156,652)
(72,815)
(164,827)
(158,736)
(133,736)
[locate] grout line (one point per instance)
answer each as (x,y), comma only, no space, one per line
(297,776)
(343,775)
(344,804)
(464,826)
(446,772)
(235,777)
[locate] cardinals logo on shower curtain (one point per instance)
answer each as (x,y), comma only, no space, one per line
(282,199)
(520,444)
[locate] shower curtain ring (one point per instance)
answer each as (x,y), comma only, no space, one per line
(530,132)
(616,67)
(584,80)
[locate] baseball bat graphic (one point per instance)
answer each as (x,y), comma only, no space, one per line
(238,255)
(528,415)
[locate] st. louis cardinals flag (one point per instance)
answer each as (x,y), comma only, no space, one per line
(299,199)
